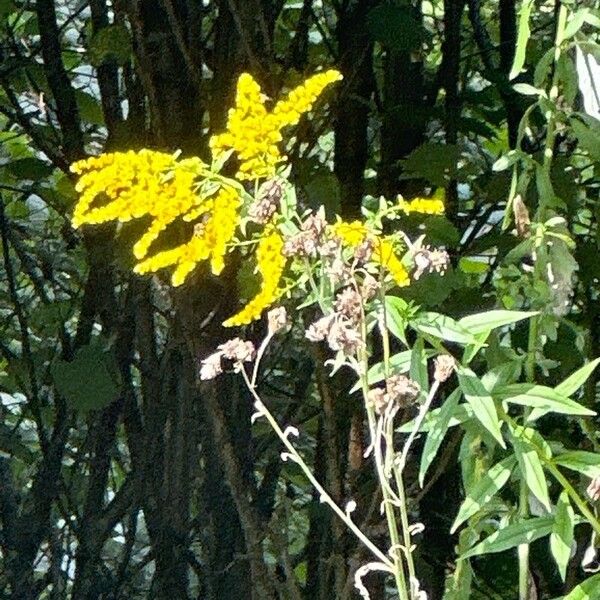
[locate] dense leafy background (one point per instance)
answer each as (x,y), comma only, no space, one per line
(120,476)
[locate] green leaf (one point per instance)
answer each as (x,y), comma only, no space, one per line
(87,382)
(438,428)
(581,461)
(492,319)
(395,27)
(501,375)
(442,327)
(435,163)
(587,134)
(523,35)
(527,90)
(588,590)
(395,317)
(561,538)
(29,168)
(512,535)
(481,402)
(399,363)
(418,366)
(112,42)
(462,414)
(323,189)
(540,397)
(484,490)
(572,383)
(532,472)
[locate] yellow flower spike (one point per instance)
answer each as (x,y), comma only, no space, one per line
(383,254)
(351,234)
(425,206)
(355,233)
(270,263)
(301,99)
(253,132)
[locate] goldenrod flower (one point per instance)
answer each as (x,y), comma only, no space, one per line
(426,206)
(209,241)
(383,254)
(355,233)
(270,263)
(136,184)
(254,133)
(351,234)
(301,99)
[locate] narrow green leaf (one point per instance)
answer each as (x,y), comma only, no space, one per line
(491,319)
(501,375)
(418,366)
(462,413)
(588,590)
(540,397)
(572,383)
(399,363)
(442,327)
(561,538)
(511,536)
(472,349)
(395,319)
(581,461)
(484,490)
(481,402)
(88,382)
(439,427)
(532,472)
(523,36)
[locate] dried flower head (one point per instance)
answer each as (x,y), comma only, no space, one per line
(303,244)
(343,335)
(277,319)
(370,286)
(266,202)
(319,330)
(593,490)
(378,399)
(429,261)
(237,350)
(315,223)
(444,367)
(211,366)
(330,248)
(402,390)
(364,251)
(338,271)
(348,302)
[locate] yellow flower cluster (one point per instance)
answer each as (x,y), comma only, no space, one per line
(426,206)
(254,133)
(355,233)
(270,263)
(209,241)
(135,184)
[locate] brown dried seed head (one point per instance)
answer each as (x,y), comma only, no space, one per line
(277,319)
(444,367)
(593,490)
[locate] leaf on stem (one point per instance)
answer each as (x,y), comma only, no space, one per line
(484,490)
(524,532)
(561,538)
(438,428)
(481,402)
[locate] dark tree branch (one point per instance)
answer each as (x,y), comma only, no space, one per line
(58,80)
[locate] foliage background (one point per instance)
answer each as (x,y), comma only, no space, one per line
(120,476)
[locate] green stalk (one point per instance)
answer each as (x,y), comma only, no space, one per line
(388,504)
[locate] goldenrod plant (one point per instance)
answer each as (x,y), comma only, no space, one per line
(345,280)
